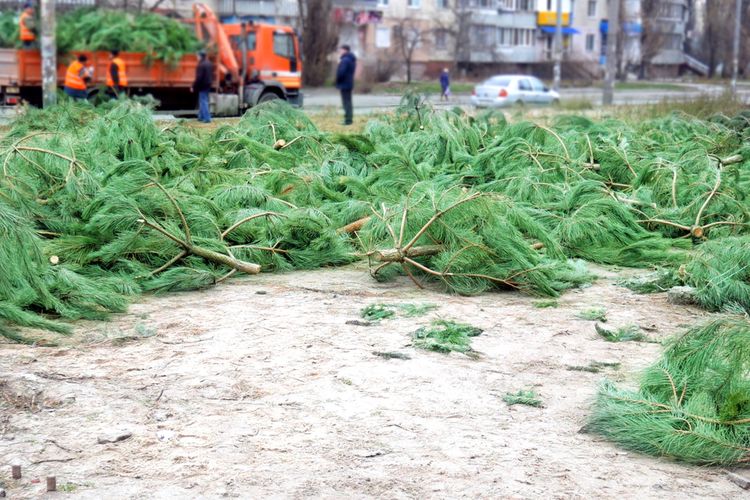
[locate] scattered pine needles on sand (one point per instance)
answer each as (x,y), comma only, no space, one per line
(623,334)
(594,314)
(445,336)
(523,397)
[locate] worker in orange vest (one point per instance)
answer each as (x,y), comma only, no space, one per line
(77,78)
(117,78)
(27,27)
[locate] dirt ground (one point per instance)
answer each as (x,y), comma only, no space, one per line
(260,388)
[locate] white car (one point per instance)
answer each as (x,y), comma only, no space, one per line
(507,90)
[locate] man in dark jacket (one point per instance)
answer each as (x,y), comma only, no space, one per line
(204,79)
(345,81)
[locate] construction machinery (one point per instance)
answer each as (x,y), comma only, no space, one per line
(255,62)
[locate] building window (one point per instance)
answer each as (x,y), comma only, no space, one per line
(482,36)
(443,4)
(415,4)
(441,39)
(515,37)
(482,4)
(671,10)
(382,37)
(592,8)
(590,42)
(383,3)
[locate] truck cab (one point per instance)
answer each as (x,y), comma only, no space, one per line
(269,55)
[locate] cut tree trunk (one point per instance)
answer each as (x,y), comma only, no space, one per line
(397,255)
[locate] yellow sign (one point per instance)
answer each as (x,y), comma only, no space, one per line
(550,19)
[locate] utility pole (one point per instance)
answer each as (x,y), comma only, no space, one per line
(736,48)
(49,54)
(613,30)
(558,47)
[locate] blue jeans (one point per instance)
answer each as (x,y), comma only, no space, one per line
(204,114)
(76,93)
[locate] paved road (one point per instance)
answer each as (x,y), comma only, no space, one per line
(319,99)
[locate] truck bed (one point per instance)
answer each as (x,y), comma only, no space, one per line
(23,68)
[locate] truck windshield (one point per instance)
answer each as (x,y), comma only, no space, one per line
(283,45)
(237,41)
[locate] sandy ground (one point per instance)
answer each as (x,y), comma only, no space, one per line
(260,388)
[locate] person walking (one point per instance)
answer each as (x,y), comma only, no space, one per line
(204,78)
(117,78)
(445,85)
(26,26)
(345,81)
(77,78)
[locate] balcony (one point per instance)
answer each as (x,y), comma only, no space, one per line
(546,18)
(519,54)
(358,4)
(256,8)
(524,20)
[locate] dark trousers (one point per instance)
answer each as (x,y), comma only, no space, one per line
(116,91)
(77,94)
(204,110)
(346,100)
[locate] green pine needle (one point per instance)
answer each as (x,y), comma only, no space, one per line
(594,314)
(445,336)
(376,312)
(543,304)
(523,397)
(624,334)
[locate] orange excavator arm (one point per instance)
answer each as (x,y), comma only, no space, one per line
(207,23)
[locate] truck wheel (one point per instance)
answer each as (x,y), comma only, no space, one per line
(268,96)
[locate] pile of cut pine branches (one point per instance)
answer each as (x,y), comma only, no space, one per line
(87,29)
(102,204)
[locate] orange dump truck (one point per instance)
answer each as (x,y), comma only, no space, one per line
(254,63)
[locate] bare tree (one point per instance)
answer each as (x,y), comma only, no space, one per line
(652,36)
(717,37)
(408,36)
(319,37)
(458,28)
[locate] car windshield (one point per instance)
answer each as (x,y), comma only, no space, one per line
(498,81)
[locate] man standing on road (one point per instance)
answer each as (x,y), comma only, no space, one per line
(26,26)
(204,78)
(345,81)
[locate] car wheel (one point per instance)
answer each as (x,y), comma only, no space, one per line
(555,102)
(268,96)
(520,103)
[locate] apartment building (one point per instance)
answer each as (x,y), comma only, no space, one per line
(664,53)
(515,35)
(588,44)
(269,11)
(502,33)
(385,33)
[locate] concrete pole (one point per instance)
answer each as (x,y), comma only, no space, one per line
(558,47)
(736,48)
(613,30)
(49,53)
